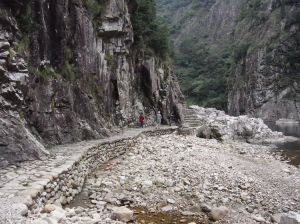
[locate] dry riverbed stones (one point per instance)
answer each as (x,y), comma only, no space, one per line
(192,178)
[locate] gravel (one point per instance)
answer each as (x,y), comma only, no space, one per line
(188,174)
(191,176)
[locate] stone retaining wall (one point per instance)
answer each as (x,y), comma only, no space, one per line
(66,185)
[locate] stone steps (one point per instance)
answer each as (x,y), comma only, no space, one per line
(191,119)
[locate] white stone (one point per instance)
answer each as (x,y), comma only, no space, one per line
(169,183)
(48,208)
(218,213)
(20,209)
(50,220)
(286,170)
(259,219)
(39,221)
(147,183)
(171,201)
(4,45)
(122,214)
(290,218)
(96,216)
(167,208)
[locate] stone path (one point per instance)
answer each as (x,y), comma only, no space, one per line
(23,183)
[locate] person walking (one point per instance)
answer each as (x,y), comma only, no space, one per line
(158,119)
(141,120)
(170,117)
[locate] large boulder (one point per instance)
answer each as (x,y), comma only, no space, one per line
(216,124)
(209,133)
(17,143)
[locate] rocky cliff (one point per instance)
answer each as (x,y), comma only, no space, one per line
(70,71)
(265,79)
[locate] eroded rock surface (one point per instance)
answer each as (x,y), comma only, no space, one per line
(212,123)
(73,78)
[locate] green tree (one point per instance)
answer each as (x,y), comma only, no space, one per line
(150,30)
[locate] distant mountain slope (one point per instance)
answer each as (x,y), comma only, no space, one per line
(200,31)
(237,54)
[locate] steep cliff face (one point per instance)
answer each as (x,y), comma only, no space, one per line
(73,73)
(265,79)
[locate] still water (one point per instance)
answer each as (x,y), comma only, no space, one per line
(290,150)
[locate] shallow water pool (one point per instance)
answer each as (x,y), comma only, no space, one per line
(290,150)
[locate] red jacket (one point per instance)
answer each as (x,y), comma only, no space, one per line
(141,118)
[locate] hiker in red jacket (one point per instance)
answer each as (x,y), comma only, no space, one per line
(141,119)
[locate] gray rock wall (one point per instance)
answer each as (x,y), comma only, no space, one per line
(262,84)
(77,77)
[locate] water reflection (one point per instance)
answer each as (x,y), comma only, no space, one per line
(290,150)
(288,129)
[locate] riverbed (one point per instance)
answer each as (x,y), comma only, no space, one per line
(185,177)
(290,150)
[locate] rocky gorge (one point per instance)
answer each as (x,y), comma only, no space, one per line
(73,80)
(70,71)
(237,55)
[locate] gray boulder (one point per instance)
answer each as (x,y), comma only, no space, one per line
(218,125)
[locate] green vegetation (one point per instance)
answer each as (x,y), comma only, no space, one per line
(288,41)
(178,4)
(240,50)
(149,30)
(22,46)
(94,9)
(293,18)
(202,69)
(252,10)
(27,25)
(205,69)
(291,62)
(110,60)
(21,116)
(202,74)
(26,22)
(43,74)
(68,71)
